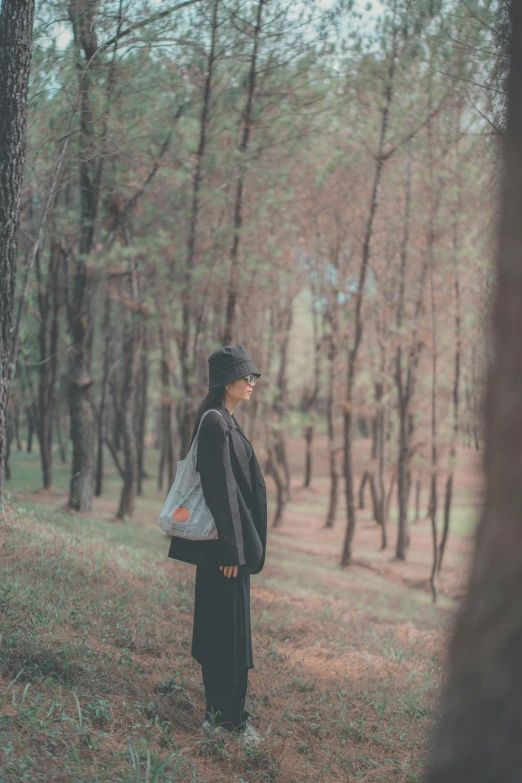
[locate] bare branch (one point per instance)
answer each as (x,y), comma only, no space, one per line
(144,22)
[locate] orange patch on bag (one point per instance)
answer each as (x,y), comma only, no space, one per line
(181,514)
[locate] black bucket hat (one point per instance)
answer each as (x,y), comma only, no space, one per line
(228,364)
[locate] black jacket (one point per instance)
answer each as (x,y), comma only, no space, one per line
(235,492)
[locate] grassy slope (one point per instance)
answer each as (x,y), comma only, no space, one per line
(98,684)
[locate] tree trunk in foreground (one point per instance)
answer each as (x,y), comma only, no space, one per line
(480,734)
(16,41)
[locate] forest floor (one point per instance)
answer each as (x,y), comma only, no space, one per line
(96,679)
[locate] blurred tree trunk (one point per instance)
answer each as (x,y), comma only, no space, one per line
(362,486)
(332,341)
(380,159)
(107,366)
(30,428)
(281,401)
(82,15)
(435,198)
(310,399)
(61,443)
(389,495)
(273,468)
(166,437)
(248,119)
(16,41)
(406,373)
(333,447)
(404,389)
(187,340)
(48,294)
(16,419)
(134,311)
(480,732)
(456,389)
(132,343)
(277,461)
(142,392)
(308,439)
(418,488)
(8,440)
(377,481)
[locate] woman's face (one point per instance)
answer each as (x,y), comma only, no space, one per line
(240,390)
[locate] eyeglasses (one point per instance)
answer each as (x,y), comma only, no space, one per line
(251,379)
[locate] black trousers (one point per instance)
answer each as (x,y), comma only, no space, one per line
(225,706)
(222,643)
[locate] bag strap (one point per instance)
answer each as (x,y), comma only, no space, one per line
(194,443)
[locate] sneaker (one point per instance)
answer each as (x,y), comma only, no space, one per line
(215,731)
(250,735)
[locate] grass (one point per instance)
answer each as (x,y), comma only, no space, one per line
(97,683)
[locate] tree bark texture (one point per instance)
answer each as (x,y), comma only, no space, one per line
(16,40)
(480,733)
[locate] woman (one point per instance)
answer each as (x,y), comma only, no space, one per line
(234,490)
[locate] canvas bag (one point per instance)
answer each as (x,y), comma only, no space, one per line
(185,513)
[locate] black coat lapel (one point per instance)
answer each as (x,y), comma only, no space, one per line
(239,448)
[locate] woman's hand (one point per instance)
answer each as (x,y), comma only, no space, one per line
(229,570)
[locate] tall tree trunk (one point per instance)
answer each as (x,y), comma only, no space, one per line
(310,397)
(167,458)
(434,368)
(30,428)
(107,364)
(308,436)
(389,496)
(16,419)
(418,488)
(456,386)
(479,737)
(404,389)
(49,306)
(82,15)
(273,469)
(379,479)
(362,486)
(248,118)
(61,444)
(346,555)
(406,376)
(333,448)
(281,400)
(333,354)
(277,461)
(16,41)
(132,344)
(376,476)
(133,335)
(186,338)
(141,412)
(8,440)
